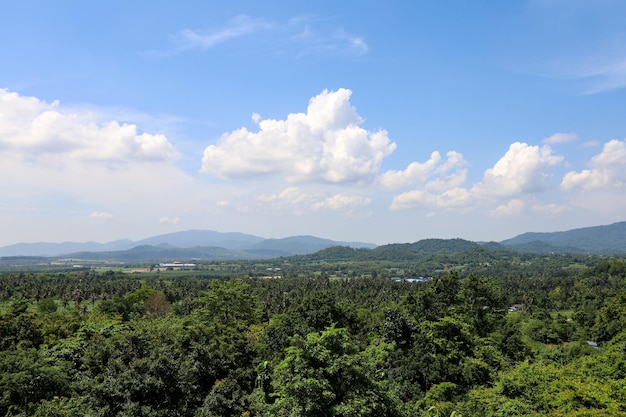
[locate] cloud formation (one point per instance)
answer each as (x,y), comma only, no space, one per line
(560,138)
(297,201)
(169,220)
(452,168)
(524,206)
(100,215)
(521,170)
(605,76)
(300,36)
(454,197)
(438,182)
(312,41)
(240,26)
(34,130)
(607,170)
(325,144)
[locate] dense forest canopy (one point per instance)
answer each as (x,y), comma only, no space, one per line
(489,333)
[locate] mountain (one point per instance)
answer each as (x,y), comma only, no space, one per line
(443,245)
(148,253)
(608,239)
(208,244)
(299,245)
(400,252)
(191,244)
(193,238)
(57,249)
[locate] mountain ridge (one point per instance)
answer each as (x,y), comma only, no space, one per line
(604,239)
(237,242)
(209,244)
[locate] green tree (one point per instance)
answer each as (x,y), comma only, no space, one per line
(26,378)
(326,375)
(47,306)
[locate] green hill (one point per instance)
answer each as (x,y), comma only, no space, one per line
(609,239)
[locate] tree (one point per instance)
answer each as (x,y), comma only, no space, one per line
(325,375)
(47,306)
(157,305)
(26,378)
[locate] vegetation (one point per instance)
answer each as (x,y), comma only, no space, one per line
(334,336)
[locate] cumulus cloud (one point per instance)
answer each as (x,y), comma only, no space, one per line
(519,206)
(32,129)
(298,201)
(438,182)
(100,215)
(341,202)
(169,220)
(607,169)
(560,138)
(452,198)
(521,170)
(325,144)
(435,173)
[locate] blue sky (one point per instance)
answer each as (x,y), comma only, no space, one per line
(353,120)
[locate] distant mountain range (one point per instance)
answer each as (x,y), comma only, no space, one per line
(207,244)
(191,244)
(609,239)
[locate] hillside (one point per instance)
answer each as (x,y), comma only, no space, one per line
(608,239)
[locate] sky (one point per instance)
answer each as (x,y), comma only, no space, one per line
(380,122)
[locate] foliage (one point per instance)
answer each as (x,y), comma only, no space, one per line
(331,338)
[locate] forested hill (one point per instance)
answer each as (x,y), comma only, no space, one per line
(443,246)
(609,239)
(600,240)
(417,251)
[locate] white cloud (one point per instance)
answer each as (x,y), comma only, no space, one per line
(519,206)
(515,206)
(295,200)
(66,162)
(560,138)
(238,27)
(169,220)
(456,197)
(34,130)
(325,144)
(607,169)
(298,37)
(415,173)
(591,144)
(605,76)
(438,182)
(521,170)
(100,215)
(341,201)
(551,209)
(317,41)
